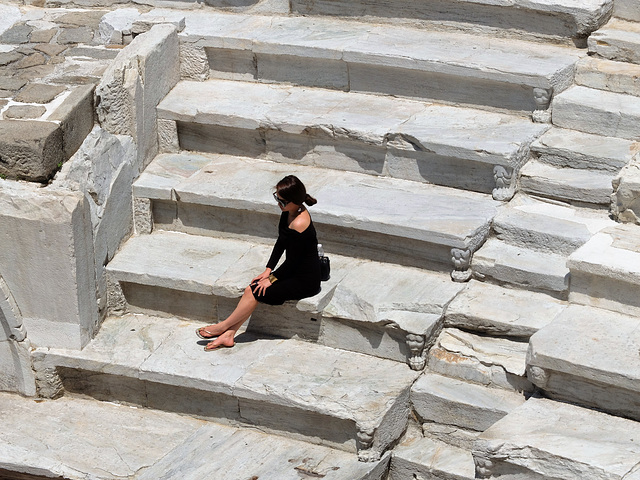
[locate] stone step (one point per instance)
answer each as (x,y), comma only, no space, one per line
(585,187)
(429,458)
(490,361)
(203,278)
(540,230)
(605,271)
(627,10)
(378,135)
(558,19)
(547,440)
(449,401)
(389,59)
(341,399)
(520,266)
(619,40)
(589,356)
(356,214)
(496,310)
(560,147)
(602,74)
(598,112)
(126,442)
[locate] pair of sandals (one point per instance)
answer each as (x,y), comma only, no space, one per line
(199,334)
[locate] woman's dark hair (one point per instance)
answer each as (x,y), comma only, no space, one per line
(290,188)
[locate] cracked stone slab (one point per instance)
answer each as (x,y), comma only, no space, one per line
(589,356)
(231,453)
(39,93)
(453,55)
(567,184)
(569,148)
(619,40)
(605,271)
(24,111)
(539,17)
(449,401)
(553,440)
(489,361)
(598,112)
(361,296)
(435,214)
(497,310)
(521,266)
(614,76)
(77,439)
(494,138)
(165,172)
(190,263)
(348,390)
(429,458)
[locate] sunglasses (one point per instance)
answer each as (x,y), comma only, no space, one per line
(283,203)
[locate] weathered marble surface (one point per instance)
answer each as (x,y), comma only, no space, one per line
(564,19)
(619,40)
(497,310)
(605,271)
(625,200)
(53,229)
(566,184)
(79,439)
(490,361)
(614,76)
(349,390)
(589,356)
(570,148)
(553,440)
(453,217)
(598,112)
(521,266)
(428,458)
(133,85)
(449,401)
(340,130)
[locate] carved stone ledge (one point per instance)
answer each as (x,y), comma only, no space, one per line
(505,183)
(417,359)
(461,259)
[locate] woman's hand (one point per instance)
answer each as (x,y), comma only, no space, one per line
(263,275)
(261,285)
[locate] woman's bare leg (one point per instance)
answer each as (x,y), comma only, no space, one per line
(226,330)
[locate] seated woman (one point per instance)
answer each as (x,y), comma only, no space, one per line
(298,276)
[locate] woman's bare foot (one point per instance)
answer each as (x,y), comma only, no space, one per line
(209,332)
(223,341)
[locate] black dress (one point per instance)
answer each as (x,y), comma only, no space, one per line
(299,275)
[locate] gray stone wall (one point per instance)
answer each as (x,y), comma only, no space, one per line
(55,240)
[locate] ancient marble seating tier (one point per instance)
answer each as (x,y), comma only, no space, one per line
(589,356)
(344,400)
(565,18)
(380,309)
(149,444)
(359,215)
(452,146)
(395,60)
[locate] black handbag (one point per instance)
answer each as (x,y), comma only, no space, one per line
(325,268)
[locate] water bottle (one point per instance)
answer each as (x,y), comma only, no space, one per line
(320,250)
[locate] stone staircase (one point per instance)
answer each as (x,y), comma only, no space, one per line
(419,145)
